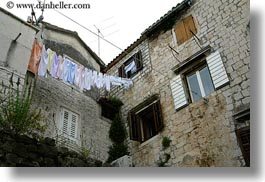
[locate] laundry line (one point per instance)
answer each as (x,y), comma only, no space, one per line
(43,62)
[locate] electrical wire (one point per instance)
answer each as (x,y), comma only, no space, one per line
(110,42)
(86,28)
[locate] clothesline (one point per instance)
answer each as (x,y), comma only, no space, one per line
(64,69)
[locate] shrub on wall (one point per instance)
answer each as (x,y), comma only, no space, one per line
(16,113)
(117,134)
(164,158)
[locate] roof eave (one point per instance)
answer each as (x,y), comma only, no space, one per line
(75,34)
(184,4)
(181,6)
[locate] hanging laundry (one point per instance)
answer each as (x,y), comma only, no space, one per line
(66,70)
(60,67)
(50,60)
(42,70)
(127,83)
(130,68)
(99,80)
(94,79)
(116,81)
(71,75)
(78,72)
(35,57)
(55,66)
(82,79)
(88,82)
(107,82)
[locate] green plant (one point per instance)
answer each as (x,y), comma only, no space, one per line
(85,152)
(165,156)
(16,113)
(116,151)
(117,132)
(116,102)
(162,162)
(166,142)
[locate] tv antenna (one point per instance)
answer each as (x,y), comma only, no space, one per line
(31,18)
(99,34)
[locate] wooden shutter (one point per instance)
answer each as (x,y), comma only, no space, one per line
(122,72)
(158,119)
(217,70)
(243,136)
(138,60)
(189,26)
(178,92)
(180,33)
(134,127)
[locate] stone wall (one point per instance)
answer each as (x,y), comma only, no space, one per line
(202,134)
(51,95)
(24,151)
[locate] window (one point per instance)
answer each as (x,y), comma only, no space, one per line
(145,121)
(197,77)
(131,66)
(200,83)
(185,30)
(69,125)
(243,137)
(108,109)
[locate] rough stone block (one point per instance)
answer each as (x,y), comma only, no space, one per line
(11,158)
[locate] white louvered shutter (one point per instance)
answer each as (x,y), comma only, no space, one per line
(178,92)
(73,126)
(217,69)
(65,122)
(69,125)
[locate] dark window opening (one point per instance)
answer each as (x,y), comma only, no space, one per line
(132,66)
(108,110)
(146,121)
(243,137)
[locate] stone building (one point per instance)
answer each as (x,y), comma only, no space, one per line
(58,101)
(61,101)
(191,74)
(15,46)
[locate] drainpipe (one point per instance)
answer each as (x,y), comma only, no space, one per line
(11,50)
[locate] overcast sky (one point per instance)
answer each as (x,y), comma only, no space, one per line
(120,21)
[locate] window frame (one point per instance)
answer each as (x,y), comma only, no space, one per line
(106,105)
(139,65)
(67,135)
(207,56)
(196,71)
(189,68)
(136,123)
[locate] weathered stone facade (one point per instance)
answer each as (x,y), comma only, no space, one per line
(24,151)
(202,134)
(53,95)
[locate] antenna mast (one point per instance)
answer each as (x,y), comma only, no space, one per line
(99,33)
